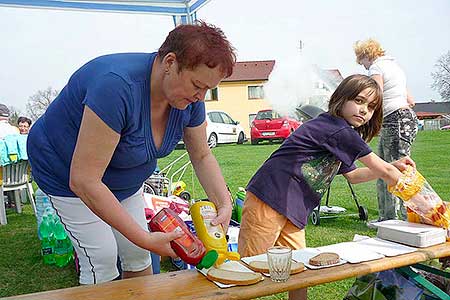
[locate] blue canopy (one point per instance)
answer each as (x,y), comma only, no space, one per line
(183,11)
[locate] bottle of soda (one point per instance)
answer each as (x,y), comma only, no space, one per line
(47,241)
(39,198)
(62,245)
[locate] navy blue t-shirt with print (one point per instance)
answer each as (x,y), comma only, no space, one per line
(116,88)
(294,178)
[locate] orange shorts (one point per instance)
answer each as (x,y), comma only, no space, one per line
(262,227)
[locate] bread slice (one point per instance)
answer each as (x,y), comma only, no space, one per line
(233,277)
(324,259)
(263,266)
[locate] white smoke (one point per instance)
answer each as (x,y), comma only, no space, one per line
(291,84)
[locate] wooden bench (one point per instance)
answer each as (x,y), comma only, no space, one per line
(190,284)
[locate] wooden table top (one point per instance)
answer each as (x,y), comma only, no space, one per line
(190,284)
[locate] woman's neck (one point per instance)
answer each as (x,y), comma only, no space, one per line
(157,96)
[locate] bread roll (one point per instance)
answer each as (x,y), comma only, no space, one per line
(324,259)
(263,266)
(233,277)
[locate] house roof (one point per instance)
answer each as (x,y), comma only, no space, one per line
(433,107)
(251,70)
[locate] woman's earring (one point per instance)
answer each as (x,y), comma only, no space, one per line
(166,71)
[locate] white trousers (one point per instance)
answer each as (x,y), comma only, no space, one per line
(97,244)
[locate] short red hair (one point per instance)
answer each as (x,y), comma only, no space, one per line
(198,44)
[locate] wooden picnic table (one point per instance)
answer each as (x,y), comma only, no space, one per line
(190,284)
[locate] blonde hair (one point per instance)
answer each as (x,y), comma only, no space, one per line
(369,48)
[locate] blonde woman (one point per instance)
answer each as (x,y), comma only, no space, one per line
(400,123)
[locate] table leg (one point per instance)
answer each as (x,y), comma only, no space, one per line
(3,220)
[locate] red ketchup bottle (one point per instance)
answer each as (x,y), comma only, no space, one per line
(188,247)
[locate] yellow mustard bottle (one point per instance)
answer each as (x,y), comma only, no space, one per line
(212,236)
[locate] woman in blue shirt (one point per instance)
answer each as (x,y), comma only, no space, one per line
(100,138)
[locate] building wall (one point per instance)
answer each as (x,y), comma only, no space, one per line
(233,99)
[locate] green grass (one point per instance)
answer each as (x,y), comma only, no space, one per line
(22,270)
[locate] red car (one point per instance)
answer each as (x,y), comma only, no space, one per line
(269,125)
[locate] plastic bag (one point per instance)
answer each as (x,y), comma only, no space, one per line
(420,198)
(386,285)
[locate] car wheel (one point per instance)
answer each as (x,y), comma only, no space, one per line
(212,141)
(240,138)
(254,142)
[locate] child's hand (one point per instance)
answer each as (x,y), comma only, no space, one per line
(403,163)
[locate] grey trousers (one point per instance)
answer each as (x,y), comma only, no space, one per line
(398,132)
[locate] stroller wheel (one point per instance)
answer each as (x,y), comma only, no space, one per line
(148,188)
(185,196)
(315,217)
(363,213)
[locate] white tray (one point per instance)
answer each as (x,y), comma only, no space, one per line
(413,234)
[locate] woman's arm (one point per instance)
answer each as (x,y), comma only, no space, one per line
(379,79)
(208,172)
(95,146)
(410,99)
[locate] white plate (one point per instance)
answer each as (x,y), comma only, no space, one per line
(303,255)
(352,252)
(385,247)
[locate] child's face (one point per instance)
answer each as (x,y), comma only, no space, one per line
(359,111)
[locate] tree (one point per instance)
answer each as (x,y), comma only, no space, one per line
(14,114)
(442,76)
(37,104)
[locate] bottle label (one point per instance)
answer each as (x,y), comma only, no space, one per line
(47,251)
(208,214)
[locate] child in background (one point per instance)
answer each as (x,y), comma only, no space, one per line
(291,182)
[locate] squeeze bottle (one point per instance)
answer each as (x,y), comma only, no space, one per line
(188,247)
(212,236)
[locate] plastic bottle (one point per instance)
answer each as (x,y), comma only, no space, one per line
(47,241)
(39,198)
(42,203)
(212,236)
(63,246)
(188,247)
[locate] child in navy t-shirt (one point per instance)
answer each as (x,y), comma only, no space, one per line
(290,184)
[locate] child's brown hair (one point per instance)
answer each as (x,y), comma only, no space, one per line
(348,90)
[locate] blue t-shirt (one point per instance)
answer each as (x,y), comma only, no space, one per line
(116,87)
(293,179)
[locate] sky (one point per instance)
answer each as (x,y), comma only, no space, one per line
(42,48)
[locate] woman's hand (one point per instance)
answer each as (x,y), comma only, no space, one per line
(223,216)
(403,163)
(159,242)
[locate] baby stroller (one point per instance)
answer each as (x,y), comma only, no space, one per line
(308,112)
(159,183)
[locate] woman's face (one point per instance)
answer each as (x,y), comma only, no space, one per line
(24,127)
(365,62)
(189,86)
(359,111)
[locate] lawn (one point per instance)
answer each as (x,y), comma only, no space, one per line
(22,270)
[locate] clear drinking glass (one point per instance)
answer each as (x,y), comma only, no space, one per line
(279,259)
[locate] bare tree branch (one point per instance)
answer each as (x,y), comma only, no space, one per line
(441,76)
(37,104)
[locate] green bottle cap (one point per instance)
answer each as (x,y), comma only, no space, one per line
(208,260)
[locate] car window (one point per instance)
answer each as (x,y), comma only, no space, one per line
(215,117)
(267,114)
(227,119)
